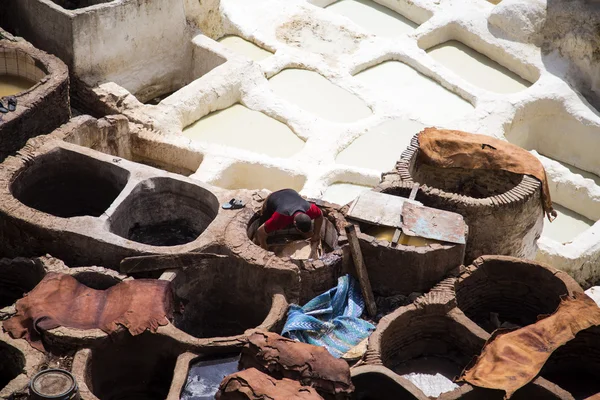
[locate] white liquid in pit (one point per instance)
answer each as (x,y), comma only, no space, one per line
(314,93)
(374,17)
(430,374)
(567,225)
(476,68)
(11,85)
(238,126)
(414,92)
(343,193)
(245,48)
(381,146)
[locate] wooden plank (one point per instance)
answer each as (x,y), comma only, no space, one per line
(378,208)
(361,270)
(163,262)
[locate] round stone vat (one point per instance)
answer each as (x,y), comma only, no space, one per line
(97,277)
(575,367)
(164,212)
(506,290)
(376,382)
(317,274)
(503,210)
(12,365)
(17,277)
(132,367)
(404,269)
(40,84)
(428,344)
(538,389)
(67,184)
(224,297)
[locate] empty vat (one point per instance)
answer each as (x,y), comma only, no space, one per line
(312,92)
(164,212)
(539,389)
(206,374)
(417,93)
(567,226)
(374,17)
(476,68)
(240,127)
(518,291)
(131,367)
(380,147)
(343,193)
(244,47)
(69,184)
(243,175)
(17,277)
(222,298)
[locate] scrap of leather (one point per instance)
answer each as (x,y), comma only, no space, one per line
(251,384)
(456,149)
(511,359)
(311,365)
(60,300)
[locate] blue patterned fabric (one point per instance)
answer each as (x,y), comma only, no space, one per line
(331,320)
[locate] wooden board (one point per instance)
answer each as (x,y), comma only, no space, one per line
(378,208)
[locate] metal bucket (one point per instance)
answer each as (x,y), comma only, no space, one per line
(56,384)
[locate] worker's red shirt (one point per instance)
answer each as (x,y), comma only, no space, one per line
(280,221)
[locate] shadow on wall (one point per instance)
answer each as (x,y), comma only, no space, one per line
(568,31)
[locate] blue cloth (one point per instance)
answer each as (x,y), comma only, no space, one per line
(331,320)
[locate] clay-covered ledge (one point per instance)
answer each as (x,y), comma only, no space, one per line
(20,362)
(87,240)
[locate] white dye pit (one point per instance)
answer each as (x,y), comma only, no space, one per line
(244,47)
(240,127)
(11,85)
(374,17)
(380,147)
(343,193)
(567,225)
(476,68)
(317,95)
(433,375)
(205,376)
(414,92)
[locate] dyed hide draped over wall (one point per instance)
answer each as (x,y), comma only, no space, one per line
(455,149)
(60,300)
(512,359)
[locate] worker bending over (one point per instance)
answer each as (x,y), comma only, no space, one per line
(286,207)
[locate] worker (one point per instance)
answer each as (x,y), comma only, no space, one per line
(284,208)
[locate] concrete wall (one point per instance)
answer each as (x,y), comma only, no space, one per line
(131,42)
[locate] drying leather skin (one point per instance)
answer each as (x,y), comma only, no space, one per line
(310,365)
(252,384)
(510,360)
(60,300)
(456,149)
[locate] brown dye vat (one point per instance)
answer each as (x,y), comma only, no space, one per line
(12,364)
(134,367)
(53,384)
(17,277)
(164,212)
(223,300)
(11,85)
(575,366)
(517,290)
